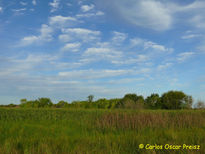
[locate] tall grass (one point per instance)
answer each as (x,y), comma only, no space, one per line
(56,131)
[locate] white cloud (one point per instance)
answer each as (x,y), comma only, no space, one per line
(1,9)
(184,56)
(100,13)
(54,5)
(119,37)
(164,66)
(23,3)
(19,11)
(196,5)
(88,15)
(198,21)
(201,48)
(71,47)
(64,38)
(81,31)
(13,65)
(136,41)
(149,14)
(149,45)
(97,74)
(125,80)
(86,35)
(61,20)
(137,60)
(102,53)
(159,15)
(34,2)
(86,8)
(154,46)
(45,36)
(190,36)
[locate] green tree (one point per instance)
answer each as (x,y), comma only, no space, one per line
(153,101)
(132,101)
(23,102)
(44,102)
(61,104)
(90,98)
(175,100)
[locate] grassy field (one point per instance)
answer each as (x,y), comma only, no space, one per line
(78,131)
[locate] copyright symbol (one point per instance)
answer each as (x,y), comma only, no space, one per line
(141,146)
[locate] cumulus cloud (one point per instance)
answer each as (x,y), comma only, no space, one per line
(86,8)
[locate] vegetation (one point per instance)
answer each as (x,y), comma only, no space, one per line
(169,100)
(97,131)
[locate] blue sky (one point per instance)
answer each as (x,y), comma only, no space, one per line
(68,49)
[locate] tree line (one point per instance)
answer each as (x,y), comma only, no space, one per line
(169,100)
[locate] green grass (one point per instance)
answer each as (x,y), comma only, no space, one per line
(62,131)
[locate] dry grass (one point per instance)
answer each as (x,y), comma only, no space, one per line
(141,120)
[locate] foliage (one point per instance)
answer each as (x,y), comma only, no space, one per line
(168,100)
(62,104)
(40,103)
(175,100)
(153,101)
(90,98)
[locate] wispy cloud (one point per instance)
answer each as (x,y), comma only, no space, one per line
(96,74)
(34,2)
(86,35)
(184,56)
(61,21)
(73,47)
(88,15)
(1,9)
(45,36)
(190,36)
(86,8)
(23,3)
(19,11)
(119,37)
(54,5)
(146,44)
(164,66)
(148,14)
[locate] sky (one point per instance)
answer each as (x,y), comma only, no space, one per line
(69,49)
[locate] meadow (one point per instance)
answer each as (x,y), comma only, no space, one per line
(99,131)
